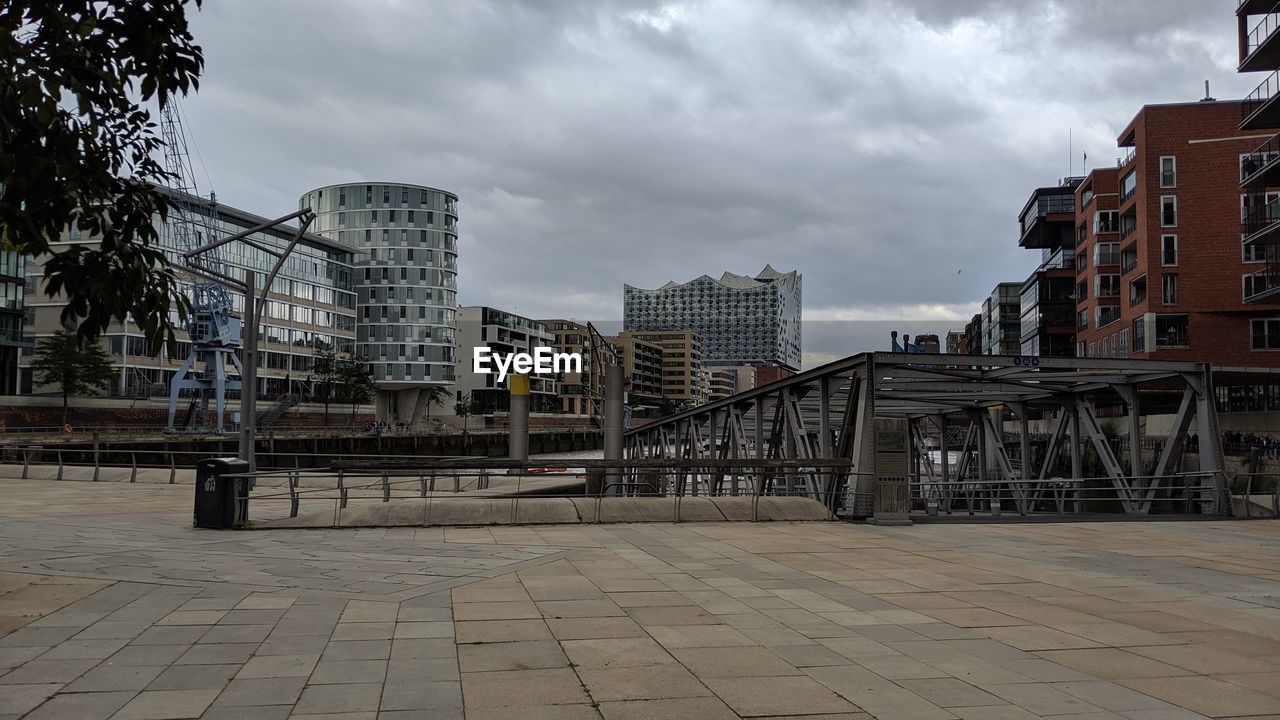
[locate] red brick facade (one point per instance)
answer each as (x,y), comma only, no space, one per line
(1181,182)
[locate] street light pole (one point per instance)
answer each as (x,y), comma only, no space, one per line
(249,373)
(253,303)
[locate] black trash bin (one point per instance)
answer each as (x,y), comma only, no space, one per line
(216,504)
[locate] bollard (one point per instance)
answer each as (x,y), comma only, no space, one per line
(293,495)
(26,459)
(342,489)
(456,482)
(386,488)
(422,486)
(59,464)
(133,472)
(173,468)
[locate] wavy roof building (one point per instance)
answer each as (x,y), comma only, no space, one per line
(741,319)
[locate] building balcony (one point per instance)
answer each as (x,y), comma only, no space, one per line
(1261,109)
(1259,49)
(1128,265)
(1261,222)
(1262,166)
(1262,286)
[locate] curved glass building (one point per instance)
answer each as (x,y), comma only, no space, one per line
(406,243)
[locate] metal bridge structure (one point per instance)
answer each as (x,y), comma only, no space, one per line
(956,412)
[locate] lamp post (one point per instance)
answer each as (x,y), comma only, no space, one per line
(254,300)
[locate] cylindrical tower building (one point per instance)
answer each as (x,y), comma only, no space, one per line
(406,238)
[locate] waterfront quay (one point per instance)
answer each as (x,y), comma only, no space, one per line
(112,606)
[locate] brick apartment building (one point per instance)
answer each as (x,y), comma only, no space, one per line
(1161,271)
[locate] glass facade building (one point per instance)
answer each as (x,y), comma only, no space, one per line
(406,243)
(311,300)
(12,307)
(740,319)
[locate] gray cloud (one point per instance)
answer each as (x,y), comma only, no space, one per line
(882,148)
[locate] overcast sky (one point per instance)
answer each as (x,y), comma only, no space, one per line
(884,149)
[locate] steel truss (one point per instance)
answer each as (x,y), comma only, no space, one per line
(956,405)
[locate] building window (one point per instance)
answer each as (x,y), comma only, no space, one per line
(1253,162)
(386,197)
(342,219)
(1265,334)
(1129,185)
(391,216)
(373,216)
(1106,221)
(1169,289)
(1254,253)
(1106,254)
(1140,335)
(1107,314)
(1248,211)
(1172,331)
(1168,211)
(1169,250)
(404,197)
(1168,171)
(1083,323)
(431,217)
(342,198)
(1108,286)
(410,214)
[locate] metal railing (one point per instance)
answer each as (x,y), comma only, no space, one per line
(464,480)
(1261,95)
(1260,160)
(1054,496)
(1261,32)
(1247,485)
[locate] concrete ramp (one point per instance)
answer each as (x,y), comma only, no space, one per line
(464,511)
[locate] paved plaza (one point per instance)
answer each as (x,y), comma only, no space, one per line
(112,606)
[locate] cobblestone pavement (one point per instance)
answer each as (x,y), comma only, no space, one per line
(111,606)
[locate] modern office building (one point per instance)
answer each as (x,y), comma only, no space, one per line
(1047,298)
(1259,45)
(1176,281)
(956,342)
(13,282)
(578,392)
(642,368)
(503,333)
(406,284)
(311,300)
(1002,321)
(682,372)
(740,319)
(973,336)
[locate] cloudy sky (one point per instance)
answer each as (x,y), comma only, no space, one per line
(882,148)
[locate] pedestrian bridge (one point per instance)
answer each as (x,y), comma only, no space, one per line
(941,425)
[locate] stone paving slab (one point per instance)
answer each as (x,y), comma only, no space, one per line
(112,607)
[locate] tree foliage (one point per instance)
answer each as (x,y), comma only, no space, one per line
(79,150)
(74,365)
(355,383)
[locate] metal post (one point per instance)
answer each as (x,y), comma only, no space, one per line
(249,381)
(613,425)
(518,444)
(1135,439)
(946,465)
(1076,460)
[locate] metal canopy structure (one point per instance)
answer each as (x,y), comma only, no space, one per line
(952,405)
